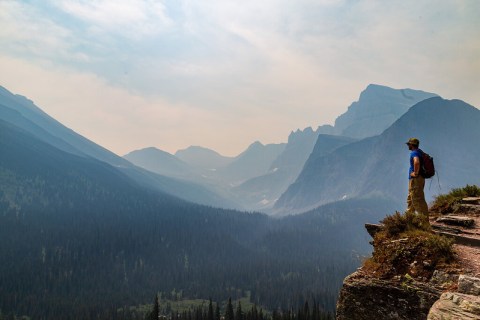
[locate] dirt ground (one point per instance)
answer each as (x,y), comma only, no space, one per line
(469,259)
(468,255)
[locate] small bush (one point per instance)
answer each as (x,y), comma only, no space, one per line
(440,246)
(406,245)
(398,223)
(446,203)
(472,191)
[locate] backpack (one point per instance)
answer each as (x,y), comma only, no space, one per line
(428,168)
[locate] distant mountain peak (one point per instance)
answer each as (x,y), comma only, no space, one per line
(306,130)
(202,157)
(256,144)
(377,108)
(148,150)
(375,86)
(377,165)
(197,149)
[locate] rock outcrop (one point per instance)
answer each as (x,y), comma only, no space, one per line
(462,304)
(364,298)
(453,293)
(454,305)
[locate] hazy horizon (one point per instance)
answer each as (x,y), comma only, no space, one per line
(221,75)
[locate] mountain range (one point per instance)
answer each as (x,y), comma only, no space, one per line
(257,178)
(448,130)
(24,114)
(263,191)
(80,238)
(84,232)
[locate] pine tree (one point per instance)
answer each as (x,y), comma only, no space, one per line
(254,312)
(198,314)
(316,310)
(275,315)
(210,310)
(155,314)
(239,313)
(306,311)
(229,310)
(217,312)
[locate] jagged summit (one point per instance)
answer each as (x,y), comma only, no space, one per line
(377,165)
(376,109)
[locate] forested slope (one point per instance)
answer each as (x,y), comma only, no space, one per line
(79,239)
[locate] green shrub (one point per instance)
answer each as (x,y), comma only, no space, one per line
(449,202)
(472,191)
(406,245)
(440,246)
(398,223)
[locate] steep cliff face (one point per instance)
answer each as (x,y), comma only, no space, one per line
(444,297)
(401,280)
(415,273)
(366,297)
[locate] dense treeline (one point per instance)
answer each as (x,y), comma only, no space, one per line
(79,240)
(51,268)
(233,312)
(87,268)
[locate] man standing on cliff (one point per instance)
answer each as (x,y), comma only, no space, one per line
(416,197)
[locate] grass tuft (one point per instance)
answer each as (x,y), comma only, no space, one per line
(446,203)
(398,223)
(407,246)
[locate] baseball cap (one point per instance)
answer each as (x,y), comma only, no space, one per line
(413,141)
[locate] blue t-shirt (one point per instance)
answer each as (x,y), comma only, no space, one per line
(415,153)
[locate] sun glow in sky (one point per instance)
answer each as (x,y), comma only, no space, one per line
(223,74)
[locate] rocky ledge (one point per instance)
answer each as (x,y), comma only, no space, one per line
(464,303)
(451,292)
(366,297)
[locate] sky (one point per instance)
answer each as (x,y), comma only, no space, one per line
(222,74)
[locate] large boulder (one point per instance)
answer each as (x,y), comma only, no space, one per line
(454,305)
(365,297)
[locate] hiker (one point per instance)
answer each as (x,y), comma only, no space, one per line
(416,197)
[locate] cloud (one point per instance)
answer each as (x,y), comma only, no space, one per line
(122,121)
(110,116)
(31,34)
(133,19)
(254,69)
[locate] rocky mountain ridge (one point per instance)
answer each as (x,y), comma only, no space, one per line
(256,180)
(377,108)
(379,165)
(25,115)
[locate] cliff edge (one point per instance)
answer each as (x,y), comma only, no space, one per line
(419,270)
